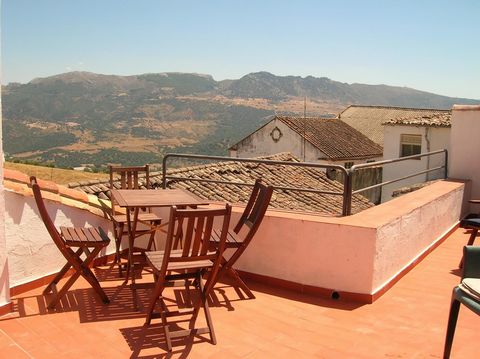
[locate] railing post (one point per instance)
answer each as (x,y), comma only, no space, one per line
(347,193)
(164,172)
(446,164)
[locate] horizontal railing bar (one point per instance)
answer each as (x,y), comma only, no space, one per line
(251,160)
(396,180)
(394,160)
(285,188)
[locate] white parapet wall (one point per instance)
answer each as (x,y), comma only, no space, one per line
(465,146)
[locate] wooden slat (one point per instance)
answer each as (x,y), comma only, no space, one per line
(89,235)
(232,237)
(188,237)
(66,233)
(80,235)
(207,235)
(197,241)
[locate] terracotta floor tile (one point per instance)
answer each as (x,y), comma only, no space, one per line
(409,321)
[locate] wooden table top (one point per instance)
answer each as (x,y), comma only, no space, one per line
(156,198)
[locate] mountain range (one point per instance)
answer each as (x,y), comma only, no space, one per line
(86,118)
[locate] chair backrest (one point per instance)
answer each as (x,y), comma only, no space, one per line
(255,210)
(129,178)
(194,228)
(47,221)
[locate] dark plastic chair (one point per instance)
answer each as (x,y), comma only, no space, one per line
(471,270)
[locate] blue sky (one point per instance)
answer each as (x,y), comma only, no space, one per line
(428,45)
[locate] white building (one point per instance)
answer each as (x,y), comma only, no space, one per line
(369,119)
(310,139)
(407,136)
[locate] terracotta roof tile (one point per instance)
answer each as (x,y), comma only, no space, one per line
(15,176)
(336,139)
(277,175)
(72,194)
(432,120)
(369,119)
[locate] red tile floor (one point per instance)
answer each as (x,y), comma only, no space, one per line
(409,321)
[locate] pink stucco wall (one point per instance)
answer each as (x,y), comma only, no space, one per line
(357,254)
(360,253)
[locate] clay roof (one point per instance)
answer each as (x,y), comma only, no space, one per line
(431,120)
(247,173)
(369,119)
(336,139)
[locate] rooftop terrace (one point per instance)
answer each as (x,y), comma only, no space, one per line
(409,321)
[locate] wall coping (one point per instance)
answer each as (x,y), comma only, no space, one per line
(466,107)
(18,182)
(374,217)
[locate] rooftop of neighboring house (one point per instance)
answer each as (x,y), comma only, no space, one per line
(337,140)
(369,119)
(427,120)
(314,178)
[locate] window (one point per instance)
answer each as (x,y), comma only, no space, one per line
(348,164)
(410,145)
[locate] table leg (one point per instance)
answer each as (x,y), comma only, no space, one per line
(132,229)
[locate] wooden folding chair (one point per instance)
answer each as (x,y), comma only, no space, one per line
(72,243)
(193,261)
(251,218)
(130,178)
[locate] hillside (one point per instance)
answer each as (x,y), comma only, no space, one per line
(85,118)
(57,175)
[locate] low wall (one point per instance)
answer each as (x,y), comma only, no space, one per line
(355,256)
(30,250)
(359,254)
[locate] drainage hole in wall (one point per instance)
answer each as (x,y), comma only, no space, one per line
(335,295)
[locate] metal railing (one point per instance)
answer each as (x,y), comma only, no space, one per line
(355,168)
(259,161)
(348,174)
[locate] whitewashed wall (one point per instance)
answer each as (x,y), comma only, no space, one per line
(439,139)
(465,147)
(4,285)
(31,252)
(260,143)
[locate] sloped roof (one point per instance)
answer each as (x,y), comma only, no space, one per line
(368,119)
(333,137)
(247,172)
(430,120)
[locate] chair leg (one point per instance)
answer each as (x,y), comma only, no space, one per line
(151,241)
(206,309)
(57,296)
(452,322)
(166,330)
(90,277)
(118,230)
(470,242)
(236,277)
(157,293)
(60,274)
